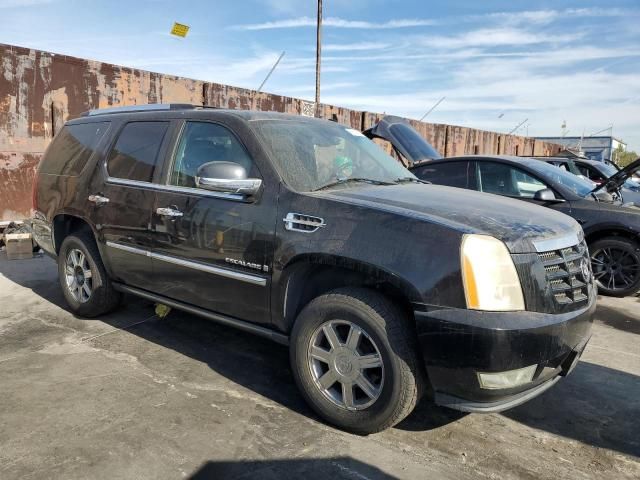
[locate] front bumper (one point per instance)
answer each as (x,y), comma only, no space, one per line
(458,344)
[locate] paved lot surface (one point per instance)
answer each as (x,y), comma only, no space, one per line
(133,396)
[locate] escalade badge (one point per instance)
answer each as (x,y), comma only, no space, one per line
(242,263)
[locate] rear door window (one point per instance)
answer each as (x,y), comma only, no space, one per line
(135,154)
(450,173)
(72,148)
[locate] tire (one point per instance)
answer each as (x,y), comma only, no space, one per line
(616,259)
(103,297)
(385,332)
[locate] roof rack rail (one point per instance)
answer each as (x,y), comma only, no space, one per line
(153,107)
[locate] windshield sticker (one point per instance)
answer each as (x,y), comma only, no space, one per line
(354,132)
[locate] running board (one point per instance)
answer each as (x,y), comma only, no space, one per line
(216,317)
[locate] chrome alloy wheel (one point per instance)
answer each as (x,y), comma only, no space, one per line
(78,275)
(346,364)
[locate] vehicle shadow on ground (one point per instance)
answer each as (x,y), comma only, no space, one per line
(595,405)
(309,469)
(620,320)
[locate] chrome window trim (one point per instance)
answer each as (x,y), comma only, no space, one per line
(175,189)
(223,272)
(557,243)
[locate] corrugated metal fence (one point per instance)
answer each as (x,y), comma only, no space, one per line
(39,91)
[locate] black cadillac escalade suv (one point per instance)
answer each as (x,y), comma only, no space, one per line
(304,231)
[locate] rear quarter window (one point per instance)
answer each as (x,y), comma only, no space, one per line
(72,148)
(450,173)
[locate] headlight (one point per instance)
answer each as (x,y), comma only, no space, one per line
(489,276)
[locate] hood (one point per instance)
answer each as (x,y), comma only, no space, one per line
(404,138)
(519,224)
(614,182)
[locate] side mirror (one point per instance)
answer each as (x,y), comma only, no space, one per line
(546,195)
(226,177)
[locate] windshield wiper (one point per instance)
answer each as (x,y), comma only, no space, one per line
(352,180)
(410,179)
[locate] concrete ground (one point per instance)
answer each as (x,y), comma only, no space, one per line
(133,396)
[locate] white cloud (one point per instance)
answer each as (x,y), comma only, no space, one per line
(547,16)
(22,3)
(346,47)
(490,37)
(335,22)
(509,18)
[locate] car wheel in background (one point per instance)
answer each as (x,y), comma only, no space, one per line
(616,266)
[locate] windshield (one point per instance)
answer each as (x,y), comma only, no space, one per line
(417,147)
(312,154)
(580,186)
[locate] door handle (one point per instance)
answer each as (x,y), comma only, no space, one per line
(168,212)
(98,199)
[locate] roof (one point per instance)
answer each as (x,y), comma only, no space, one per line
(502,158)
(181,108)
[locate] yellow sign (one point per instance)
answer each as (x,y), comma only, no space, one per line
(180,30)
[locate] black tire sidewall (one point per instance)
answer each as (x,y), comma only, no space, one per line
(339,308)
(618,243)
(93,306)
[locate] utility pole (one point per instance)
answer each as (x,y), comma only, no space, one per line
(318,57)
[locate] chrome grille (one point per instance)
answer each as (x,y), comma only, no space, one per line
(568,273)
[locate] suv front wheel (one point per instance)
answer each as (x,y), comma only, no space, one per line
(354,358)
(83,278)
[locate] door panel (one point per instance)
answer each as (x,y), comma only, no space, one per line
(123,222)
(510,181)
(213,250)
(203,256)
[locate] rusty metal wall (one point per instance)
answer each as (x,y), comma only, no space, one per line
(39,91)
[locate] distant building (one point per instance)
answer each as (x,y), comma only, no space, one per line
(594,148)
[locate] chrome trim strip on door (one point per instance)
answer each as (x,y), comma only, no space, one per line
(223,272)
(129,249)
(174,189)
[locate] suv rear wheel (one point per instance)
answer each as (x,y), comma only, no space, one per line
(354,357)
(616,266)
(83,278)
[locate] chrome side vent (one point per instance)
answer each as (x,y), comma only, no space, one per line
(303,223)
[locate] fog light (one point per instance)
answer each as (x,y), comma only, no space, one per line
(508,379)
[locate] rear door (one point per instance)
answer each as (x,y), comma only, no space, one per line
(122,198)
(213,250)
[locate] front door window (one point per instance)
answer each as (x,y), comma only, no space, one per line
(504,179)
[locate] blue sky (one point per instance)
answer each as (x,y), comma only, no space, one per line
(496,62)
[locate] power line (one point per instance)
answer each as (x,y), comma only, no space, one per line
(518,126)
(270,72)
(432,108)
